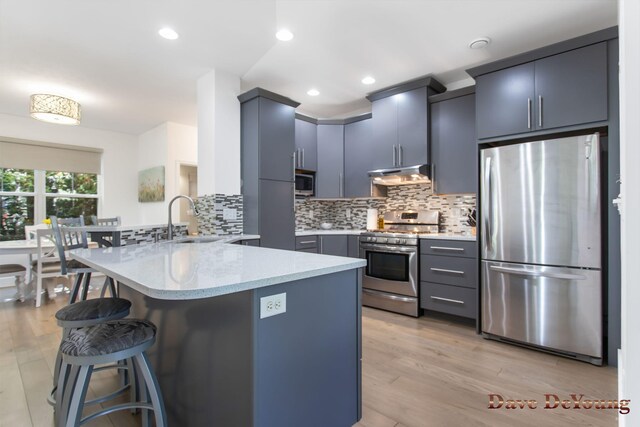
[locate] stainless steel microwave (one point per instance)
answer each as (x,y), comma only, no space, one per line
(305,185)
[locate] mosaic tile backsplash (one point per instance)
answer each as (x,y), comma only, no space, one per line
(352,214)
(212,208)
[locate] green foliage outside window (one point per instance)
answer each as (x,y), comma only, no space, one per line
(71,183)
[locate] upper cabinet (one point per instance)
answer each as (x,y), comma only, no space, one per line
(453,143)
(400,124)
(357,158)
(306,154)
(330,176)
(561,90)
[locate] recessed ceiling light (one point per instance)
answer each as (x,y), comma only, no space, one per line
(480,43)
(368,80)
(168,33)
(313,92)
(284,35)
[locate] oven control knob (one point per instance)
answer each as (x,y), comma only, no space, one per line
(401,241)
(396,241)
(382,240)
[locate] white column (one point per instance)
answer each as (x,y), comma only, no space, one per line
(629,369)
(218,133)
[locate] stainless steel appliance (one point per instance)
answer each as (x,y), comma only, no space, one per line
(305,185)
(540,245)
(418,174)
(390,280)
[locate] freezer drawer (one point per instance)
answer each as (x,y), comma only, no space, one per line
(553,307)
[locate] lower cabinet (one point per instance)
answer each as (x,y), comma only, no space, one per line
(449,283)
(337,245)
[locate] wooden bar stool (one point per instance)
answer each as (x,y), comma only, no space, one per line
(109,342)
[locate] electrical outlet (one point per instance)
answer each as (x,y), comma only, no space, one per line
(310,214)
(230,214)
(272,305)
(348,213)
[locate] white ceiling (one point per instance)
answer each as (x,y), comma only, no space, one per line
(107,55)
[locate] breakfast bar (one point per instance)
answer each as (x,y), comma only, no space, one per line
(247,336)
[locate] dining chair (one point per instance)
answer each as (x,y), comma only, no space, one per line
(46,268)
(19,272)
(66,239)
(106,221)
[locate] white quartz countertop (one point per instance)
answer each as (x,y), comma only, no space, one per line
(449,236)
(327,232)
(181,271)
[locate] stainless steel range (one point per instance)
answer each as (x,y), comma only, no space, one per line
(390,280)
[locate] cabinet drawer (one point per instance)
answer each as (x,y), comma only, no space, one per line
(308,250)
(458,248)
(306,242)
(448,299)
(449,270)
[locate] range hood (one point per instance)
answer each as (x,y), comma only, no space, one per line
(419,174)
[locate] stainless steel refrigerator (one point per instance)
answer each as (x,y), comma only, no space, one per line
(541,245)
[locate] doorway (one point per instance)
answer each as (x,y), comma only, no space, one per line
(189,186)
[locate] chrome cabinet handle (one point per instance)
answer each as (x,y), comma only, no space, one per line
(539,110)
(395,156)
(444,270)
(400,155)
(533,273)
(444,248)
(341,185)
(321,249)
(294,159)
(528,113)
(455,301)
(307,241)
(302,162)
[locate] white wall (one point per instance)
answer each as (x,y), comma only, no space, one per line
(629,369)
(167,145)
(218,133)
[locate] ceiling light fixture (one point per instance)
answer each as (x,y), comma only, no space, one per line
(313,92)
(480,43)
(168,33)
(284,35)
(55,109)
(368,80)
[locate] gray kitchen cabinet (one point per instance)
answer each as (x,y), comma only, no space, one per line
(561,90)
(571,88)
(504,101)
(306,243)
(306,145)
(267,155)
(400,129)
(357,158)
(330,174)
(413,119)
(385,133)
(333,245)
(277,218)
(353,244)
(453,145)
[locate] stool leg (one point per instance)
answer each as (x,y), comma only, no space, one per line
(133,384)
(76,288)
(58,365)
(64,391)
(151,383)
(112,287)
(85,289)
(76,405)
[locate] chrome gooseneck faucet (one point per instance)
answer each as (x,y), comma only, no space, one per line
(170,224)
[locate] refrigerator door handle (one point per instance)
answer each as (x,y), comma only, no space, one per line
(537,273)
(486,206)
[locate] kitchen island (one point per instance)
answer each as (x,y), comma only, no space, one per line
(218,358)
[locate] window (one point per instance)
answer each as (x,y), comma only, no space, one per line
(28,197)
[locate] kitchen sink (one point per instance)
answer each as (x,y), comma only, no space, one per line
(200,239)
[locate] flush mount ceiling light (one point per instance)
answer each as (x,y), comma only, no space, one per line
(168,33)
(284,35)
(55,109)
(313,92)
(480,43)
(368,80)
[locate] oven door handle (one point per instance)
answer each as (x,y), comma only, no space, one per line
(390,249)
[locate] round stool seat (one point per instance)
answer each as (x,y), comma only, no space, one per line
(98,309)
(11,268)
(108,338)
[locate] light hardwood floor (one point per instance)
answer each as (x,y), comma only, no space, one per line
(416,373)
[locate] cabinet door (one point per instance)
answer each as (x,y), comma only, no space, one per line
(276,140)
(307,145)
(453,145)
(504,101)
(353,246)
(277,219)
(571,88)
(357,158)
(330,175)
(385,132)
(412,127)
(334,245)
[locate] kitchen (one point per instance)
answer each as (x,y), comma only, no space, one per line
(344,202)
